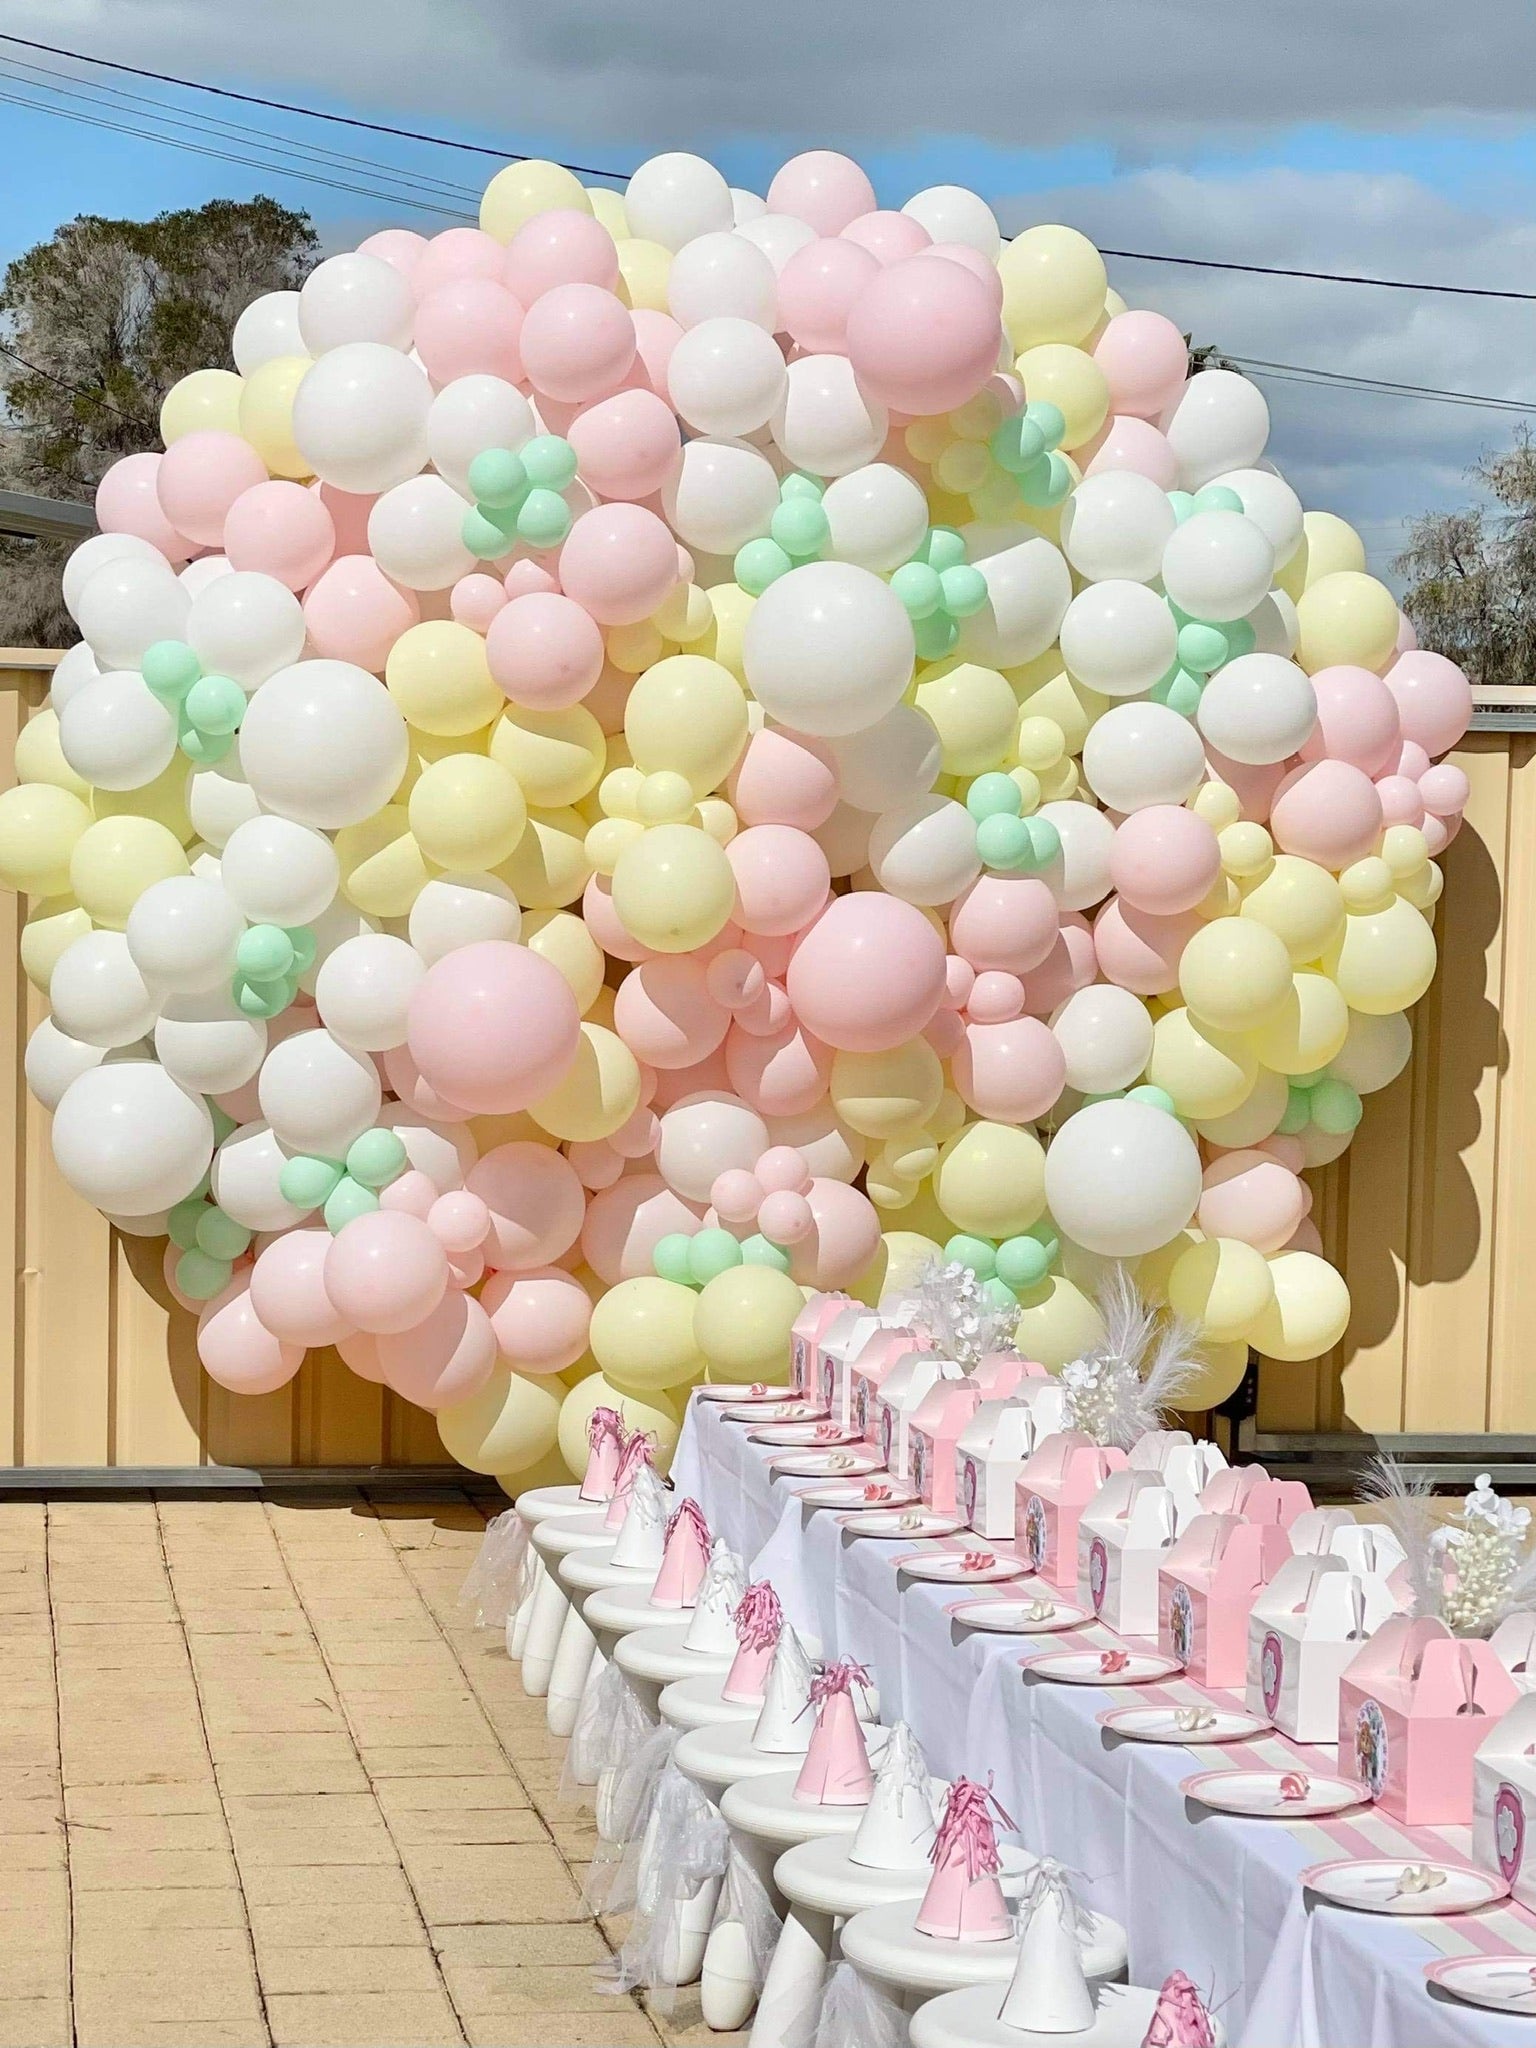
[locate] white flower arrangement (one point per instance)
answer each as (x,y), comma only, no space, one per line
(1469,1572)
(955,1311)
(1124,1387)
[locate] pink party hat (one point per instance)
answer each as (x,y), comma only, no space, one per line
(605,1444)
(1181,2019)
(964,1901)
(684,1559)
(639,1449)
(836,1770)
(757,1621)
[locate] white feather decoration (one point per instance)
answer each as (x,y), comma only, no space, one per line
(1126,1385)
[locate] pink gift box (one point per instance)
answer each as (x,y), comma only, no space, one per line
(936,1429)
(806,1333)
(1249,1491)
(1413,1708)
(867,1374)
(1001,1373)
(1206,1587)
(1060,1479)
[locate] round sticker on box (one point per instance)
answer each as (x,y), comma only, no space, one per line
(1508,1831)
(1098,1573)
(1271,1672)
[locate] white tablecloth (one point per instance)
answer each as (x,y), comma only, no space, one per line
(1214,1896)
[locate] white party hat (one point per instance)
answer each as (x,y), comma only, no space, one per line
(785,1723)
(1049,1993)
(897,1830)
(710,1631)
(641,1542)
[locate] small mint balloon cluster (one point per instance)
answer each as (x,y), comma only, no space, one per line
(1006,840)
(518,497)
(209,1242)
(345,1188)
(1321,1100)
(1027,446)
(207,709)
(695,1261)
(1144,1091)
(269,961)
(1008,1269)
(1204,645)
(797,533)
(938,588)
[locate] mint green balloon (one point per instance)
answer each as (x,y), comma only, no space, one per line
(1022,1263)
(994,795)
(376,1157)
(1159,1098)
(220,1236)
(979,1253)
(549,462)
(1050,419)
(486,539)
(1336,1108)
(1183,504)
(216,705)
(935,636)
(670,1257)
(965,590)
(302,940)
(1297,1113)
(1240,637)
(308,1182)
(1202,647)
(1017,445)
(498,479)
(1003,842)
(798,485)
(202,748)
(200,1277)
(943,549)
(998,1293)
(223,1122)
(800,527)
(757,1251)
(759,563)
(1218,498)
(543,519)
(264,953)
(1044,841)
(170,668)
(181,1224)
(1179,690)
(349,1198)
(919,588)
(1046,482)
(710,1253)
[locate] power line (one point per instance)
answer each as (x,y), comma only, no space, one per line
(75,390)
(1391,284)
(1345,380)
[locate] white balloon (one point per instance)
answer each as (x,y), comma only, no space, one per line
(182,934)
(98,994)
(1079,876)
(952,214)
(268,328)
(129,1141)
(1276,628)
(844,839)
(1029,587)
(245,1180)
(1373,1055)
(1119,638)
(207,1044)
(1117,524)
(318,1094)
(74,669)
(333,928)
(1217,565)
(704,1135)
(878,516)
(721,494)
(673,197)
(443,1152)
(832,1151)
(746,205)
(823,423)
(115,733)
(127,604)
(205,570)
(1140,754)
(1219,422)
(720,274)
(725,376)
(1272,505)
(890,763)
(278,872)
(470,415)
(218,799)
(460,910)
(1105,1034)
(324,743)
(246,625)
(53,1060)
(1258,709)
(94,554)
(152,1225)
(828,649)
(778,235)
(364,991)
(926,851)
(1122,1178)
(355,297)
(360,416)
(416,533)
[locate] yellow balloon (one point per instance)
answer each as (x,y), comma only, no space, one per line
(564,941)
(883,1094)
(732,607)
(1222,1367)
(599,1091)
(1310,1311)
(40,758)
(1045,690)
(1310,1029)
(266,413)
(742,1323)
(685,616)
(895,1266)
(1057,1323)
(642,1334)
(508,1425)
(519,191)
(383,870)
(1219,804)
(657,1414)
(973,710)
(1375,1052)
(609,210)
(674,889)
(1383,961)
(991,1180)
(53,926)
(206,402)
(115,860)
(1346,617)
(689,714)
(1247,851)
(164,800)
(557,756)
(1234,974)
(1300,902)
(1072,380)
(1328,545)
(550,867)
(467,813)
(1208,1073)
(644,268)
(439,678)
(40,827)
(1256,1116)
(550,1470)
(632,649)
(1222,1286)
(428,747)
(1154,1270)
(1054,285)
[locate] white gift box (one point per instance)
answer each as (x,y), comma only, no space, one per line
(902,1392)
(841,1343)
(1514,1643)
(1504,1800)
(805,1335)
(1150,1453)
(1122,1538)
(988,1458)
(1305,1630)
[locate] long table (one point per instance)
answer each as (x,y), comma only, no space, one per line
(1215,1896)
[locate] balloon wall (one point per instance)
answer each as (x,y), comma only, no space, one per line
(661,752)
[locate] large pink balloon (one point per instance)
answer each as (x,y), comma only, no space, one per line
(656,335)
(560,247)
(1327,812)
(819,287)
(1434,699)
(1357,720)
(1010,1073)
(844,1235)
(1004,921)
(470,327)
(578,343)
(544,650)
(288,1291)
(889,237)
(535,1200)
(237,1350)
(784,778)
(782,879)
(665,1014)
(408,1082)
(493,1026)
(540,1318)
(923,335)
(1139,951)
(626,446)
(619,562)
(868,974)
(1164,859)
(360,1352)
(1124,442)
(354,613)
(200,477)
(128,501)
(1145,360)
(780,1073)
(1250,1196)
(823,188)
(457,252)
(1070,965)
(279,529)
(446,1357)
(385,1271)
(625,1223)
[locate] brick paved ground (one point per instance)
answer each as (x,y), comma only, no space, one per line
(261,1784)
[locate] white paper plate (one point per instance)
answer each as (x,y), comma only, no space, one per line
(742,1390)
(1258,1795)
(1502,1983)
(802,1433)
(762,1412)
(948,1568)
(849,1493)
(1369,1885)
(1161,1724)
(1083,1667)
(909,1524)
(1012,1617)
(834,1464)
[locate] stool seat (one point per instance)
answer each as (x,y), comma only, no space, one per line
(969,2019)
(767,1808)
(717,1757)
(697,1703)
(562,1534)
(616,1610)
(821,1875)
(583,1571)
(884,1942)
(660,1655)
(539,1503)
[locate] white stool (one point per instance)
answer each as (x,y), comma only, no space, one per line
(970,2019)
(552,1540)
(582,1572)
(613,1612)
(719,1756)
(537,1505)
(655,1657)
(884,1942)
(699,1703)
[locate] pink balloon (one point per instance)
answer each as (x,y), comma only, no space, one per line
(1401,802)
(416,1092)
(823,188)
(1145,360)
(468,328)
(458,253)
(736,979)
(1138,951)
(819,287)
(544,650)
(665,1013)
(1438,834)
(288,1292)
(673,1084)
(656,335)
(770,1015)
(1327,812)
(1006,921)
(414,1194)
(459,1220)
(779,1073)
(619,561)
(280,529)
(995,998)
(361,1353)
(785,1218)
(494,1026)
(200,477)
(868,974)
(639,1135)
(527,578)
(597,1164)
(889,237)
(782,878)
(1434,699)
(540,1318)
(1290,1153)
(624,1225)
(349,512)
(236,1350)
(1412,760)
(626,446)
(1164,859)
(384,1271)
(446,1357)
(562,246)
(784,778)
(923,337)
(1070,965)
(475,601)
(736,1195)
(1127,443)
(535,1202)
(782,1170)
(1253,1197)
(128,501)
(1254,787)
(400,248)
(1009,1073)
(845,1236)
(972,260)
(1357,720)
(578,343)
(1445,790)
(1306,1238)
(1407,638)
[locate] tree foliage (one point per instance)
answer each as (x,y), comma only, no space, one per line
(1471,573)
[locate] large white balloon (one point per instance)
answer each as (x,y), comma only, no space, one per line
(702,1136)
(878,516)
(725,376)
(823,422)
(115,734)
(207,1044)
(1140,754)
(52,1061)
(1272,505)
(925,852)
(1257,709)
(952,214)
(267,329)
(98,994)
(126,605)
(1219,422)
(247,626)
(323,743)
(75,668)
(130,1141)
(219,799)
(891,762)
(674,197)
(1079,876)
(828,649)
(722,494)
(416,534)
(1217,565)
(360,416)
(443,1152)
(470,415)
(1029,587)
(246,1170)
(1122,1178)
(1117,524)
(355,297)
(461,910)
(317,1094)
(94,554)
(722,274)
(183,933)
(1105,1034)
(364,991)
(279,872)
(1119,638)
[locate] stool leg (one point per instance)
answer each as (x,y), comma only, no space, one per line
(549,1607)
(694,1917)
(517,1624)
(727,1985)
(790,2003)
(595,1670)
(568,1673)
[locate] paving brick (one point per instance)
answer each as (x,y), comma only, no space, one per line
(527,1881)
(360,2019)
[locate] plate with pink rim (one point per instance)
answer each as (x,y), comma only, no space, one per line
(1386,1884)
(1274,1795)
(1193,1725)
(1502,1983)
(875,1492)
(762,1412)
(982,1566)
(844,1464)
(786,1433)
(1036,1614)
(1117,1666)
(891,1524)
(743,1390)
